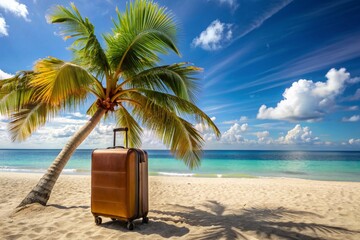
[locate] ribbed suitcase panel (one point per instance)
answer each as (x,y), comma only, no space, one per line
(108,179)
(115,185)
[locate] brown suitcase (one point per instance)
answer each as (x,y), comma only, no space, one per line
(119,184)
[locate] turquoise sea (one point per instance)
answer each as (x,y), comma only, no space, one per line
(318,165)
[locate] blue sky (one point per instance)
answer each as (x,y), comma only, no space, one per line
(277,74)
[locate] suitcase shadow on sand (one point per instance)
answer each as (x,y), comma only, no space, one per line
(155,227)
(247,223)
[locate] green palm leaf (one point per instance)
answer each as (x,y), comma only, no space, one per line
(86,47)
(184,141)
(124,119)
(58,82)
(160,98)
(137,90)
(181,106)
(24,122)
(92,109)
(176,78)
(15,92)
(143,31)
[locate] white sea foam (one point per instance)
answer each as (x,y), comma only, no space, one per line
(24,170)
(8,169)
(176,174)
(70,170)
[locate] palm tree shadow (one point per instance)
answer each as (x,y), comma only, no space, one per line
(65,207)
(266,223)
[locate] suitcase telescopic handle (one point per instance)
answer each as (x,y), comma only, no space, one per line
(121,130)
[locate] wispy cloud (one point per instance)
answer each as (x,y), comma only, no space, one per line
(233,4)
(225,66)
(217,35)
(227,62)
(262,17)
(356,95)
(240,120)
(217,107)
(341,50)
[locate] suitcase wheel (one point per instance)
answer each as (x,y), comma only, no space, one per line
(145,220)
(98,220)
(130,225)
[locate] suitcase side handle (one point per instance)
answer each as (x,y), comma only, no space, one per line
(126,135)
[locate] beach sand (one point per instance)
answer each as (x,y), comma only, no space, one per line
(190,208)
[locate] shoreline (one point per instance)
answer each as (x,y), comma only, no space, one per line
(327,166)
(190,208)
(74,172)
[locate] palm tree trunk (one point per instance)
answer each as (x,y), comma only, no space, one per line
(41,192)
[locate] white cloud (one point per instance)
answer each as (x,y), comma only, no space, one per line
(68,120)
(64,132)
(149,141)
(353,141)
(234,134)
(3,27)
(264,137)
(298,135)
(241,136)
(4,75)
(206,131)
(3,118)
(354,118)
(15,8)
(308,100)
(214,37)
(78,114)
(243,118)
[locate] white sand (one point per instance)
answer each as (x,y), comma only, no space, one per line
(190,208)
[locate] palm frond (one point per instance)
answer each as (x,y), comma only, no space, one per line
(86,47)
(143,31)
(176,78)
(92,109)
(178,105)
(15,92)
(24,122)
(124,119)
(58,82)
(184,141)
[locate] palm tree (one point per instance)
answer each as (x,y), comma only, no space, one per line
(125,78)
